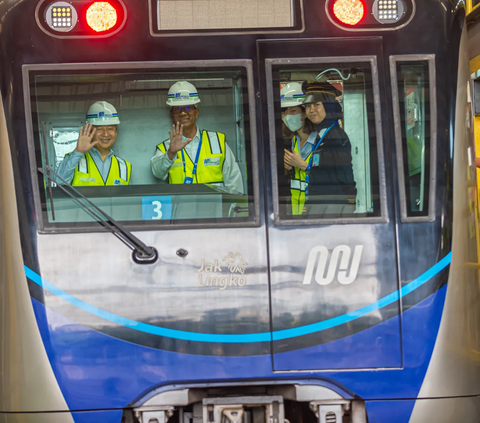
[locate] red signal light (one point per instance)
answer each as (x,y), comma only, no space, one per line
(349,12)
(101,16)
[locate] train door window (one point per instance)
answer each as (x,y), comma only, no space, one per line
(129,173)
(326,146)
(412,86)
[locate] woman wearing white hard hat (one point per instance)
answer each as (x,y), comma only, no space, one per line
(93,162)
(300,133)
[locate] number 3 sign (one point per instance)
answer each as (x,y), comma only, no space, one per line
(156,208)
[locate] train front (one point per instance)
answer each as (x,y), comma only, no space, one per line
(242,211)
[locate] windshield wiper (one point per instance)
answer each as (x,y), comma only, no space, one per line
(141,254)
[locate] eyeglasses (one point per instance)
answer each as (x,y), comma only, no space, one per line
(179,109)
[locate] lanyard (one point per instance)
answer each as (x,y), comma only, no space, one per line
(309,166)
(189,180)
(318,145)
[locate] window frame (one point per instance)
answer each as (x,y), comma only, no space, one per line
(430,60)
(372,60)
(72,227)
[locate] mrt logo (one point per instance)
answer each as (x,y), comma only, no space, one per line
(340,265)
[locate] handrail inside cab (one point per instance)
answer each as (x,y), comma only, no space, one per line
(473,10)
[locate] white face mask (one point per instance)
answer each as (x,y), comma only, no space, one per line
(293,122)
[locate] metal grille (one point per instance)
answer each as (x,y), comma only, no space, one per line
(331,418)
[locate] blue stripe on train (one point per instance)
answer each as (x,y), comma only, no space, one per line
(242,338)
(96,371)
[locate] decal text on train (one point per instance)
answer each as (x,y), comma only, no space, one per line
(326,270)
(235,263)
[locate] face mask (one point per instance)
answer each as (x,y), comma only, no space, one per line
(293,122)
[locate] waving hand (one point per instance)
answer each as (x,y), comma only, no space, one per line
(84,142)
(176,142)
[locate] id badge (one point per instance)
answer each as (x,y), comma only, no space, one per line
(188,180)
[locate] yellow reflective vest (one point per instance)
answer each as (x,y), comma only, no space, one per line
(210,161)
(297,183)
(88,175)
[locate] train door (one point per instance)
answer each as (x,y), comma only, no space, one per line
(334,283)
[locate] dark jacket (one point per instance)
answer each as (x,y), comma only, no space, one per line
(331,175)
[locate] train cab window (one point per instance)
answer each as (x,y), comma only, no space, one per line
(412,109)
(325,141)
(107,134)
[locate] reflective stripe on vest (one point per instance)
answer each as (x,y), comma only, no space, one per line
(123,168)
(87,173)
(210,161)
(297,183)
(214,142)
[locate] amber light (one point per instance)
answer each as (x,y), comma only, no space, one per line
(101,16)
(349,12)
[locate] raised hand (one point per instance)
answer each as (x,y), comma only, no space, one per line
(176,142)
(85,137)
(293,159)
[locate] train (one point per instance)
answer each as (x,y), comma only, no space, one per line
(153,264)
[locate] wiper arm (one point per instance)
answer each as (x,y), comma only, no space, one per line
(141,254)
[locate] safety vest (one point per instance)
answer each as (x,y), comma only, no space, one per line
(210,161)
(88,175)
(297,183)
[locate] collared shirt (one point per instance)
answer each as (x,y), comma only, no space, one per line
(232,177)
(307,148)
(66,169)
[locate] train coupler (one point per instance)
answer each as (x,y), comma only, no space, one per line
(329,413)
(231,410)
(153,414)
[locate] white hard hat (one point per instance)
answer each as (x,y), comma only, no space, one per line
(102,113)
(291,95)
(182,93)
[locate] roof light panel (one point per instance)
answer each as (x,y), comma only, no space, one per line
(388,11)
(61,16)
(101,16)
(81,18)
(349,12)
(369,14)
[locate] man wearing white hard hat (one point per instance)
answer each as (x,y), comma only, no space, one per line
(93,162)
(192,155)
